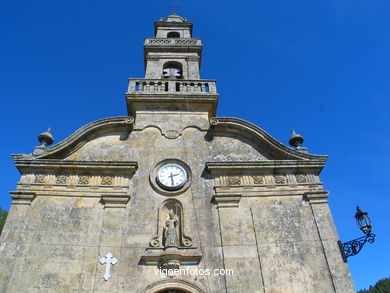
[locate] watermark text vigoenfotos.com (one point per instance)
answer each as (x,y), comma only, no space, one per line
(193,272)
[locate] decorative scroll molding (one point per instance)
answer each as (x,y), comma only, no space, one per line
(172,134)
(254,133)
(81,137)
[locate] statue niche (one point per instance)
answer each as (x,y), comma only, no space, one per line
(170,227)
(170,247)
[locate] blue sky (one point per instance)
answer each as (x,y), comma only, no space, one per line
(320,67)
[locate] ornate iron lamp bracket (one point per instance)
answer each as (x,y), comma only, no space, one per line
(353,247)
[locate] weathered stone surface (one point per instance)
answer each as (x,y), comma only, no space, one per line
(253,205)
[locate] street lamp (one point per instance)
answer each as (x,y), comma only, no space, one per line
(353,247)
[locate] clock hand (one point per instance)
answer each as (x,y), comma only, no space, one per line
(171,176)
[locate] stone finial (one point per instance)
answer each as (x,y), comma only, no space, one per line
(45,138)
(296,141)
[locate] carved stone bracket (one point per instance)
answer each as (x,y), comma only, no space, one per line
(22,198)
(115,200)
(172,134)
(227,200)
(172,257)
(316,197)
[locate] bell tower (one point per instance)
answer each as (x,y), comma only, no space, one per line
(172,83)
(173,53)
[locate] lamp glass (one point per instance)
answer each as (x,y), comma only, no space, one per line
(363,221)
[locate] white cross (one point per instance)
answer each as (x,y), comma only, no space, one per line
(108,260)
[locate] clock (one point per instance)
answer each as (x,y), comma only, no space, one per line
(171,176)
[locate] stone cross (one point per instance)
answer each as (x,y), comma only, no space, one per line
(108,260)
(174,7)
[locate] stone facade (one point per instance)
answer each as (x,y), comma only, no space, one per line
(247,202)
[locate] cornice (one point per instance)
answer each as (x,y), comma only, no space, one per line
(49,165)
(217,168)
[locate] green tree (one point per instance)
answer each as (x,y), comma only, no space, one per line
(3,216)
(382,286)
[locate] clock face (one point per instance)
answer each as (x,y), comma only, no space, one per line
(171,176)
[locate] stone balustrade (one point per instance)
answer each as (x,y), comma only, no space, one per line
(172,42)
(172,86)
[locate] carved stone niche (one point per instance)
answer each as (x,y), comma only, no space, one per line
(170,247)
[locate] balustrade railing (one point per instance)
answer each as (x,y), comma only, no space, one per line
(173,41)
(165,86)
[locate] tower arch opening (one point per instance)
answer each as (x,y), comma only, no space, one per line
(173,35)
(173,70)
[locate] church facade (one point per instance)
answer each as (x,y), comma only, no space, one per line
(171,198)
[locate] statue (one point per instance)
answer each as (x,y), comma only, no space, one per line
(170,230)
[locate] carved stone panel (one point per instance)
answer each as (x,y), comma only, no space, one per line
(258,179)
(301,178)
(61,179)
(234,180)
(39,179)
(83,180)
(107,180)
(280,179)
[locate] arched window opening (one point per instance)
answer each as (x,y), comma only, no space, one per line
(173,70)
(173,35)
